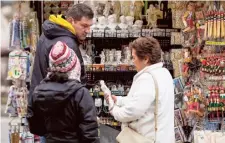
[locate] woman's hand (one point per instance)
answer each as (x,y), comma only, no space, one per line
(113,97)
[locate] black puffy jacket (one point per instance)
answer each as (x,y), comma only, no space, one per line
(63,113)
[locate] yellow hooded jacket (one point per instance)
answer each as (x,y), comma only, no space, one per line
(57,19)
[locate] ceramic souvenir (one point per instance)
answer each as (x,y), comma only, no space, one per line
(151,16)
(117,10)
(138,5)
(123,24)
(112,22)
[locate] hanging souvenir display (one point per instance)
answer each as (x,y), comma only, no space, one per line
(177,12)
(24,33)
(15,31)
(18,65)
(176,58)
(214,28)
(34,31)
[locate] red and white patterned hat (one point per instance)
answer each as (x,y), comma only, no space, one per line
(63,59)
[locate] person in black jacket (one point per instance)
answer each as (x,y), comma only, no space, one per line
(70,29)
(61,108)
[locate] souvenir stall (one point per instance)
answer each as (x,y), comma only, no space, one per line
(24,33)
(191,35)
(199,71)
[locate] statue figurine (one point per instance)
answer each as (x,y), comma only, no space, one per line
(101,23)
(138,5)
(151,16)
(126,6)
(188,17)
(102,56)
(130,20)
(94,25)
(137,25)
(108,9)
(123,24)
(112,22)
(89,48)
(117,10)
(100,9)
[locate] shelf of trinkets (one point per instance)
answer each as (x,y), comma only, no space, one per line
(109,121)
(131,34)
(109,68)
(213,65)
(216,102)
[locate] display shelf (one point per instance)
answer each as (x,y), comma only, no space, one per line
(98,34)
(110,68)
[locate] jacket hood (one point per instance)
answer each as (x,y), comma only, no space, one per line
(53,29)
(50,97)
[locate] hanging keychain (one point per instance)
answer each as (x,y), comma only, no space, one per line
(11,102)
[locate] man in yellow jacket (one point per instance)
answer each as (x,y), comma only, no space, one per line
(70,29)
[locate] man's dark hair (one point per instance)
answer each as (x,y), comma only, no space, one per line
(80,10)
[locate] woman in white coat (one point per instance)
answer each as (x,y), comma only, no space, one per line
(137,108)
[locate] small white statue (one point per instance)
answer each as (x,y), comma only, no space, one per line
(151,16)
(118,57)
(102,56)
(123,24)
(101,23)
(114,88)
(87,59)
(121,88)
(94,26)
(130,20)
(137,25)
(89,48)
(112,22)
(111,58)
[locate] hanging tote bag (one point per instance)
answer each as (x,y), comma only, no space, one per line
(128,135)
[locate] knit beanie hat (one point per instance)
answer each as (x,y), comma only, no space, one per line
(64,60)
